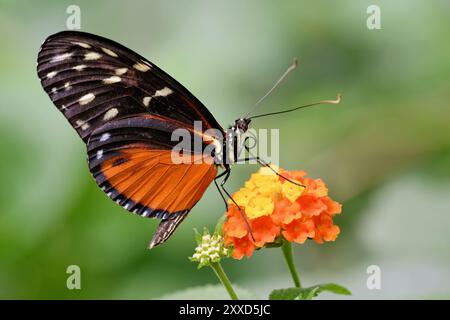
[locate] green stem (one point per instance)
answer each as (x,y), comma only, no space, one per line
(287,252)
(217,267)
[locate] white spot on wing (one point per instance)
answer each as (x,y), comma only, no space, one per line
(105,137)
(110,114)
(83,124)
(61,57)
(86,98)
(141,67)
(51,74)
(82,44)
(79,67)
(146,101)
(121,71)
(92,56)
(99,154)
(67,86)
(109,52)
(54,90)
(111,80)
(164,92)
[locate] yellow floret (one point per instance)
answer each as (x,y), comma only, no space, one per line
(291,191)
(258,194)
(260,206)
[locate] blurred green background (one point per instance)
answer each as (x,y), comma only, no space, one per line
(384,152)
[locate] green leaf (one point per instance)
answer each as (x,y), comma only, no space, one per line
(310,294)
(334,288)
(307,293)
(285,294)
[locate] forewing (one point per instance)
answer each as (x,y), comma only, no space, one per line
(93,80)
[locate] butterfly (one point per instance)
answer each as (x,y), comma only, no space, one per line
(126,109)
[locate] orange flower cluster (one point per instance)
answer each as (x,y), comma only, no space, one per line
(275,208)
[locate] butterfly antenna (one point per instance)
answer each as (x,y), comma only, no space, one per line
(276,84)
(335,101)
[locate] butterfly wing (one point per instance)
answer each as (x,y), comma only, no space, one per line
(93,80)
(131,160)
(125,108)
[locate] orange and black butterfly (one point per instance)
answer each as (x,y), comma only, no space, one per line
(125,109)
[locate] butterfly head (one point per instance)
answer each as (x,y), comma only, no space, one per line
(242,124)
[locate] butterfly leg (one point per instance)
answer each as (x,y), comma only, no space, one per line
(226,175)
(220,191)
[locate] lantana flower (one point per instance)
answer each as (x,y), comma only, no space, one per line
(278,210)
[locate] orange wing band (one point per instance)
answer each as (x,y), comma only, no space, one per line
(150,179)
